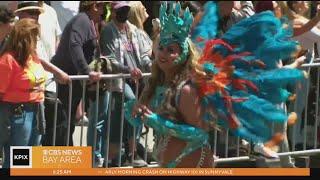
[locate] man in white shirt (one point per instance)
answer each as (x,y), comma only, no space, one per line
(65,11)
(50,35)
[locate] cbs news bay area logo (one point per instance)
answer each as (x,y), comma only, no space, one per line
(50,157)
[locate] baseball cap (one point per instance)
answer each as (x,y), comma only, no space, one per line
(119,4)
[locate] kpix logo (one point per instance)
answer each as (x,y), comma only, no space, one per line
(20,157)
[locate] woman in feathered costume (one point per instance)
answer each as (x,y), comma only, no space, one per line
(227,86)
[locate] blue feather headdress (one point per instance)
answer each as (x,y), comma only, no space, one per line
(175,28)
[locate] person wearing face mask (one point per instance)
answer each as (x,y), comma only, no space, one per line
(119,41)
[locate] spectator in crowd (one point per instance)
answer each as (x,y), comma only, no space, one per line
(307,32)
(102,65)
(10,5)
(137,16)
(120,43)
(268,6)
(29,9)
(65,10)
(6,25)
(81,115)
(21,94)
(50,29)
(50,36)
(76,50)
(7,19)
(231,12)
(277,8)
(262,6)
(33,10)
(22,86)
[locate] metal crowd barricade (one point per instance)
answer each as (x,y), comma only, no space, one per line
(226,158)
(316,124)
(85,78)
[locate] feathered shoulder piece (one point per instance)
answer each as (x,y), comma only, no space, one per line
(236,83)
(207,27)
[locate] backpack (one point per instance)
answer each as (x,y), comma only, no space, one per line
(104,66)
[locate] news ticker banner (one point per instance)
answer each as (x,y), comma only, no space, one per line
(76,161)
(162,172)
